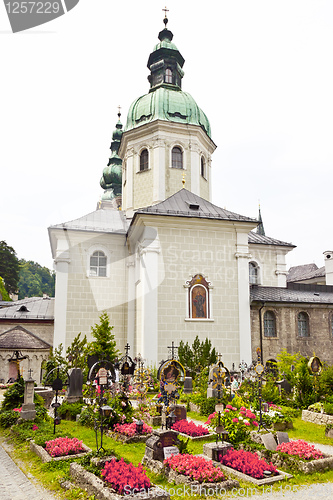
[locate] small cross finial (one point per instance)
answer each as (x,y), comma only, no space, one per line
(183,180)
(119,113)
(127,348)
(165,20)
(30,372)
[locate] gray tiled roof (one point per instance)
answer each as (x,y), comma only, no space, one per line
(31,308)
(20,338)
(101,220)
(187,204)
(260,239)
(305,272)
(277,294)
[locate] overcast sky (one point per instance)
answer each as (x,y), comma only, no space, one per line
(260,70)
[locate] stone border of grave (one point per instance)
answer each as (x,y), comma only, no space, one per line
(95,486)
(142,438)
(196,438)
(155,420)
(194,407)
(317,418)
(46,457)
(174,477)
(258,482)
(279,459)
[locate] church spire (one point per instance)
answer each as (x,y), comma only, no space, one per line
(260,227)
(165,62)
(111,180)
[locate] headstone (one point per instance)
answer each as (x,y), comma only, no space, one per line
(180,412)
(28,411)
(75,385)
(282,437)
(269,441)
(286,386)
(158,441)
(215,451)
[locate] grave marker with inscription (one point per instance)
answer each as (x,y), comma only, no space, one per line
(28,411)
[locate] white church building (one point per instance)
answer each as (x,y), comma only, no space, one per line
(162,260)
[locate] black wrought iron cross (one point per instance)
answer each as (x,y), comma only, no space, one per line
(173,348)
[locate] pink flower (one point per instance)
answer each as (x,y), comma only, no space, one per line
(235,420)
(34,427)
(226,410)
(17,409)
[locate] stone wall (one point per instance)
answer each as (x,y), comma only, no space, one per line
(317,418)
(319,341)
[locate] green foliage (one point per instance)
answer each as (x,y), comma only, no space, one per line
(183,445)
(270,391)
(8,418)
(196,357)
(304,394)
(55,359)
(70,410)
(207,406)
(9,267)
(285,361)
(4,295)
(13,396)
(104,345)
(76,353)
(327,380)
(35,280)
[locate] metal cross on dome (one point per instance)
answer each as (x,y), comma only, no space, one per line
(165,10)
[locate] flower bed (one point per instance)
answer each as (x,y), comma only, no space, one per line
(238,422)
(130,429)
(248,463)
(124,477)
(45,456)
(96,486)
(190,429)
(300,449)
(63,446)
(196,468)
(126,433)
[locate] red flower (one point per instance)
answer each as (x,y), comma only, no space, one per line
(301,449)
(121,475)
(197,468)
(62,446)
(190,428)
(248,463)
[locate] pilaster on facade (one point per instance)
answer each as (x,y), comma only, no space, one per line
(61,264)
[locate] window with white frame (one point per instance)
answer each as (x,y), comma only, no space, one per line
(253,273)
(177,157)
(98,262)
(144,160)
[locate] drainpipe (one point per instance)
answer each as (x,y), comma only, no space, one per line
(260,331)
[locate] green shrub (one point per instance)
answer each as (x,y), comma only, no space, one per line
(207,406)
(70,410)
(8,418)
(14,396)
(328,408)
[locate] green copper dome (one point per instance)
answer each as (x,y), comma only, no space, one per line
(167,104)
(166,100)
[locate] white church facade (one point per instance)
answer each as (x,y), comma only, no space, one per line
(157,255)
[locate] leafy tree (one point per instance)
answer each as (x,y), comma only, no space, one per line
(76,353)
(3,292)
(55,359)
(285,361)
(35,280)
(104,345)
(198,356)
(9,267)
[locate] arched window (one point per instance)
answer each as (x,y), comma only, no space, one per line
(98,264)
(253,273)
(303,324)
(198,297)
(203,168)
(168,75)
(269,324)
(144,160)
(177,157)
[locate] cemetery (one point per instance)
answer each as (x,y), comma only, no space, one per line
(117,427)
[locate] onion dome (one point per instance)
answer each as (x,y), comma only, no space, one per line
(166,100)
(111,178)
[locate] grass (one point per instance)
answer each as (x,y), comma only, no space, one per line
(50,475)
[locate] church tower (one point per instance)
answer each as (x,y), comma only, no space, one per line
(167,137)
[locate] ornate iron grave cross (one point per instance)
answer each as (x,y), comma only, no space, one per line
(173,349)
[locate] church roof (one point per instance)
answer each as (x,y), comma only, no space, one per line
(187,204)
(32,308)
(261,239)
(304,294)
(103,220)
(20,338)
(305,272)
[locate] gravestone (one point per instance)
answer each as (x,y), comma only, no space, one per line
(28,411)
(75,385)
(180,412)
(215,451)
(158,441)
(285,385)
(282,437)
(269,441)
